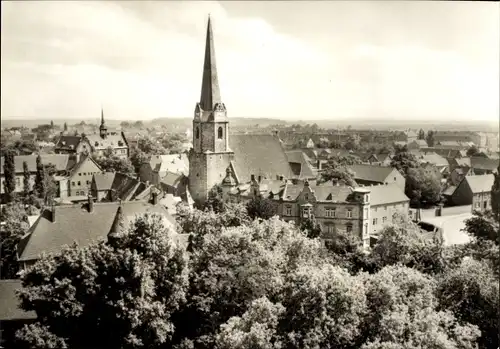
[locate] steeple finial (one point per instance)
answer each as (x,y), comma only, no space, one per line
(210,91)
(102,115)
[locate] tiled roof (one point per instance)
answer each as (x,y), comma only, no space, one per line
(450,190)
(111,140)
(176,163)
(9,303)
(480,183)
(258,155)
(171,179)
(83,159)
(60,161)
(104,181)
(74,223)
(386,194)
(434,159)
(300,164)
(68,142)
(326,192)
(480,163)
(371,173)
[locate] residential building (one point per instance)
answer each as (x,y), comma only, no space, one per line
(175,184)
(159,165)
(481,165)
(215,150)
(417,144)
(379,159)
(78,178)
(301,165)
(97,144)
(82,224)
(386,201)
(370,174)
(475,191)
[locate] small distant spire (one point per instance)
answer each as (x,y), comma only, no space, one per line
(118,226)
(102,116)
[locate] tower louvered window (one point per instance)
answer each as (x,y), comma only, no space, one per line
(219,133)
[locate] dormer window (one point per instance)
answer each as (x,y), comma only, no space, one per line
(306,196)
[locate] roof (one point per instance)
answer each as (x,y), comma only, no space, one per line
(371,172)
(325,192)
(68,142)
(74,223)
(480,163)
(421,142)
(9,303)
(60,161)
(434,159)
(83,159)
(259,155)
(386,194)
(175,163)
(113,140)
(104,181)
(300,164)
(172,179)
(480,183)
(450,190)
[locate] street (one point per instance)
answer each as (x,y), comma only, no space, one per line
(452,225)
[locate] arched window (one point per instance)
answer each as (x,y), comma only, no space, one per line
(219,133)
(197,133)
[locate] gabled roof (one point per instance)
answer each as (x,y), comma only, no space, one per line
(172,179)
(325,193)
(386,194)
(112,140)
(480,183)
(258,155)
(74,223)
(300,164)
(68,142)
(104,181)
(60,161)
(434,159)
(421,142)
(9,303)
(371,172)
(175,163)
(83,159)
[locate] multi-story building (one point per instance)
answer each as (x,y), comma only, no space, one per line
(475,191)
(97,144)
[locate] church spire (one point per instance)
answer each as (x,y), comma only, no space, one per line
(210,92)
(102,129)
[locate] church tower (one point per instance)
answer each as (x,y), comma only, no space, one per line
(211,155)
(103,130)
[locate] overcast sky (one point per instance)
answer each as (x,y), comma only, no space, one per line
(289,60)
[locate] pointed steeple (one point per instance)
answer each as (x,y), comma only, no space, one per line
(103,130)
(118,226)
(210,91)
(102,116)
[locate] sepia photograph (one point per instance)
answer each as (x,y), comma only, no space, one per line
(250,174)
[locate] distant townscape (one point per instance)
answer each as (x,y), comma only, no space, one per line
(247,235)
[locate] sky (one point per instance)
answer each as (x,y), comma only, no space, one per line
(279,59)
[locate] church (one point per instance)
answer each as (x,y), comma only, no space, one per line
(217,155)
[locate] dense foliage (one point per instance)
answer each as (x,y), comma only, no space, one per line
(110,162)
(259,284)
(9,170)
(338,172)
(423,186)
(15,226)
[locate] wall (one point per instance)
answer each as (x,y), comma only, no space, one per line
(481,201)
(380,211)
(79,183)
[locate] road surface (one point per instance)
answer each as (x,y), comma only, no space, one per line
(452,225)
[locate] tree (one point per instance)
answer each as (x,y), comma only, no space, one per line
(40,187)
(421,134)
(337,174)
(26,180)
(472,151)
(112,163)
(311,227)
(471,292)
(430,138)
(132,285)
(215,200)
(9,171)
(138,158)
(14,228)
(403,161)
(423,187)
(65,127)
(352,142)
(260,207)
(51,124)
(483,226)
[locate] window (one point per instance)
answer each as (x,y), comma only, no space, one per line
(219,133)
(365,231)
(306,196)
(384,219)
(477,204)
(330,212)
(197,133)
(72,183)
(366,212)
(349,213)
(375,221)
(348,228)
(385,208)
(88,182)
(18,181)
(79,174)
(485,204)
(79,183)
(288,210)
(331,228)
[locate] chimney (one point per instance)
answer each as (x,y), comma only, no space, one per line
(259,178)
(154,195)
(147,183)
(91,203)
(252,178)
